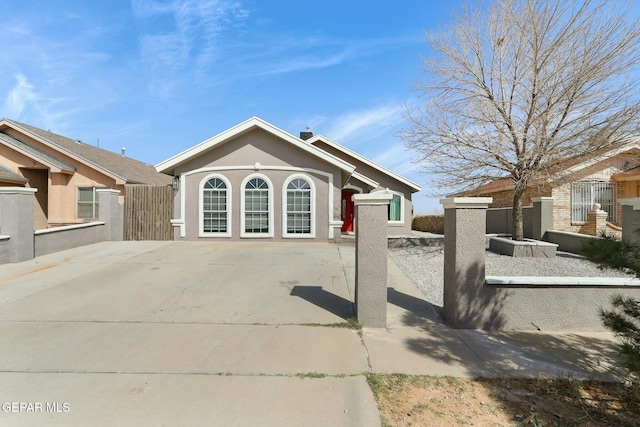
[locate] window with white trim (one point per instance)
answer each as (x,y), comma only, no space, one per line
(87,207)
(584,194)
(215,208)
(298,207)
(395,208)
(257,214)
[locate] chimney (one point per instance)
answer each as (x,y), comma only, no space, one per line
(306,135)
(123,150)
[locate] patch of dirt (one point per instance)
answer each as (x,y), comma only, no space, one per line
(425,401)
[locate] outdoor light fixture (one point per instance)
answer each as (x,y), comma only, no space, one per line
(176,183)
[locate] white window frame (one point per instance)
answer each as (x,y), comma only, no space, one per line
(201,232)
(285,212)
(401,221)
(243,233)
(94,202)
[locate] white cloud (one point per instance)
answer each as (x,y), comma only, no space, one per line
(22,94)
(397,158)
(361,125)
(187,41)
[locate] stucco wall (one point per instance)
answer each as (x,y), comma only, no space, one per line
(4,249)
(386,182)
(499,221)
(258,153)
(68,237)
(62,191)
(547,308)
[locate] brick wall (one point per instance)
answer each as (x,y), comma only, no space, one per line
(561,191)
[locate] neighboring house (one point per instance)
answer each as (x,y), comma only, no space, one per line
(66,172)
(577,184)
(255,180)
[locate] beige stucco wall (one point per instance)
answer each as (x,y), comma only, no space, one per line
(401,228)
(62,188)
(257,153)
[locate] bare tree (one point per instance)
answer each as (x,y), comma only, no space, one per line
(516,87)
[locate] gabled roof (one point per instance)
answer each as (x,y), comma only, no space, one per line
(170,164)
(122,169)
(364,160)
(632,174)
(567,167)
(55,164)
(6,175)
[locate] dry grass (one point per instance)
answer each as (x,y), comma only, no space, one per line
(429,223)
(417,401)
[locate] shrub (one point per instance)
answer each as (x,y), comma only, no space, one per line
(429,223)
(624,321)
(611,252)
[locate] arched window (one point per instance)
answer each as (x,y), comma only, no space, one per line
(215,207)
(299,208)
(257,208)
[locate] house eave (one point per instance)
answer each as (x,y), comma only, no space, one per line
(119,179)
(414,187)
(170,164)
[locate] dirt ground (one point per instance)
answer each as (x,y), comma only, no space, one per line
(444,401)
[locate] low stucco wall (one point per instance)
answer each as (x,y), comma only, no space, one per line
(567,241)
(68,237)
(559,304)
(4,249)
(499,221)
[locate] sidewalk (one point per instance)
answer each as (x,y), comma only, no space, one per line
(234,334)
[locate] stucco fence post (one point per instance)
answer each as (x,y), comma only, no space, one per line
(542,216)
(464,258)
(371,214)
(16,221)
(112,213)
(631,219)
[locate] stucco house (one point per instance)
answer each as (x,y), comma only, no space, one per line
(578,183)
(66,172)
(255,180)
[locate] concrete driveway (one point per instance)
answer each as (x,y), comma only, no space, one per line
(234,334)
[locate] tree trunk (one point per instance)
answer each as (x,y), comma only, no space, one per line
(516,216)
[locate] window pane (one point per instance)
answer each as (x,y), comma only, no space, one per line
(298,207)
(256,206)
(214,206)
(87,207)
(395,208)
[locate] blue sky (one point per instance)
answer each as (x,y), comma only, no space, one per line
(158,77)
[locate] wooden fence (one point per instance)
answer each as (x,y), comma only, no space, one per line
(148,210)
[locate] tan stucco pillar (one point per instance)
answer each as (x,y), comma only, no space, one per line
(17,221)
(371,212)
(465,225)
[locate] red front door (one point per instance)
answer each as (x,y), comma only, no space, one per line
(346,211)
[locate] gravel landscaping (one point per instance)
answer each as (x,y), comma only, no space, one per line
(424,266)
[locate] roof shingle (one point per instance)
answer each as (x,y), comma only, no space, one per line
(131,170)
